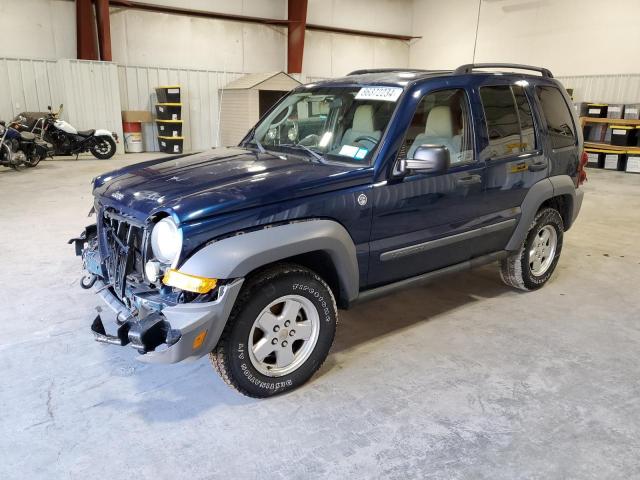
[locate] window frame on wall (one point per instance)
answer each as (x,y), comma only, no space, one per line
(517,113)
(568,111)
(470,124)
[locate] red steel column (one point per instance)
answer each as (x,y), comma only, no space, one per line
(297,14)
(104,29)
(85,29)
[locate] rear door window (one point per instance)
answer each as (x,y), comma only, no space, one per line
(509,121)
(558,116)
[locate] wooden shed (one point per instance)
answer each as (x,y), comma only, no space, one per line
(245,100)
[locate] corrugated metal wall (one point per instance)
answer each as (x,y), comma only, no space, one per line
(91,95)
(200,98)
(604,88)
(27,85)
(88,90)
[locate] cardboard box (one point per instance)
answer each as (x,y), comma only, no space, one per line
(137,116)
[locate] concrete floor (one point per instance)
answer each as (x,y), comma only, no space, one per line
(464,378)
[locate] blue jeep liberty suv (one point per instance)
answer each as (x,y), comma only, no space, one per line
(345,190)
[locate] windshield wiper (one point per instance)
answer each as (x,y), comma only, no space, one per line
(315,154)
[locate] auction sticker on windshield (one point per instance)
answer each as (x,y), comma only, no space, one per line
(388,94)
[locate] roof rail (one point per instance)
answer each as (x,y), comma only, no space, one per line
(469,67)
(385,70)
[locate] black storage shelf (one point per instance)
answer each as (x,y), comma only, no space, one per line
(169,119)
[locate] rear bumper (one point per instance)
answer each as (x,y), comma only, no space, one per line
(169,335)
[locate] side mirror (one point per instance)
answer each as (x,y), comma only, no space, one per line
(427,159)
(49,107)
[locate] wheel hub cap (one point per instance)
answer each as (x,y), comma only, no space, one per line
(543,250)
(284,335)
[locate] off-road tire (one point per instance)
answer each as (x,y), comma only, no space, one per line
(515,270)
(104,156)
(230,358)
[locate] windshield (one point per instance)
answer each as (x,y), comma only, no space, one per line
(343,124)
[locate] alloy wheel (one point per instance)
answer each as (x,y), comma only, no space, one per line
(543,250)
(284,335)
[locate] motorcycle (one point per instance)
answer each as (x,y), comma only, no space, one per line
(67,140)
(19,148)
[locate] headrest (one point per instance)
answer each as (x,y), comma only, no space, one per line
(363,119)
(439,122)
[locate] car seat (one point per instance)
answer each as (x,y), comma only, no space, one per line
(362,126)
(438,131)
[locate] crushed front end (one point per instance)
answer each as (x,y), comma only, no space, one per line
(165,324)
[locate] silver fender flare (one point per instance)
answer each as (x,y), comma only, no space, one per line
(237,256)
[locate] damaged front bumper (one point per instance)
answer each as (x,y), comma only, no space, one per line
(184,331)
(159,327)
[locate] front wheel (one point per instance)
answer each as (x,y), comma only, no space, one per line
(279,332)
(104,148)
(33,161)
(533,264)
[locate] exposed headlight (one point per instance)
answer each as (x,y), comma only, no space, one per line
(166,241)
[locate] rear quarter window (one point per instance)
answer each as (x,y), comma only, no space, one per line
(562,130)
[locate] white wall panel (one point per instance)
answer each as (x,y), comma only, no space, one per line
(91,95)
(604,88)
(200,98)
(38,28)
(333,55)
(571,37)
(181,41)
(27,85)
(88,90)
(389,16)
(250,8)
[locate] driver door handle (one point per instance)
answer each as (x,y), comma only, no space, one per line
(469,180)
(537,166)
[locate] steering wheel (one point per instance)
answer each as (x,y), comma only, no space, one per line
(367,138)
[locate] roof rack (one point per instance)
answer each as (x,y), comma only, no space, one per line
(469,67)
(386,70)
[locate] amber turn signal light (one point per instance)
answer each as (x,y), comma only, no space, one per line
(190,283)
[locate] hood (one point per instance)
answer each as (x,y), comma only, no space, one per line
(220,181)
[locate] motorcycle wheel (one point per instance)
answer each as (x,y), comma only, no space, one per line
(104,149)
(32,162)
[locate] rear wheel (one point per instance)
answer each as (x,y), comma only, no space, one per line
(279,332)
(533,264)
(104,148)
